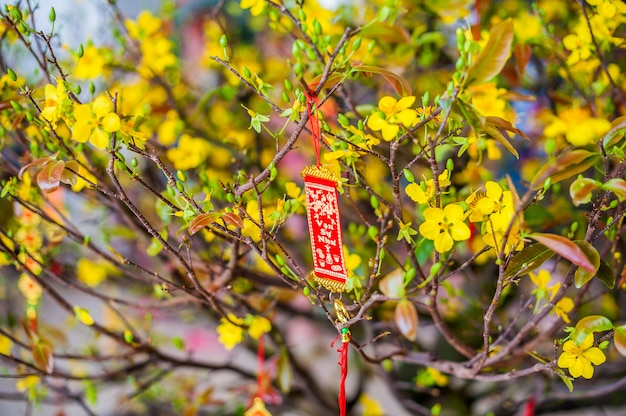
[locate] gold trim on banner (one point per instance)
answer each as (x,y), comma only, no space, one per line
(332,285)
(319,172)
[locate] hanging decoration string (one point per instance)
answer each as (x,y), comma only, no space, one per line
(343,317)
(258,406)
(312,103)
(324,220)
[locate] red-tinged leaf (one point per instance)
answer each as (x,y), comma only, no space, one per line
(581,190)
(589,324)
(202,221)
(385,32)
(36,162)
(398,83)
(582,276)
(619,337)
(506,125)
(492,58)
(405,316)
(565,166)
(69,177)
(504,141)
(232,219)
(613,136)
(565,248)
(333,78)
(49,178)
(617,186)
(527,260)
(522,54)
(42,356)
(606,274)
(284,373)
(392,285)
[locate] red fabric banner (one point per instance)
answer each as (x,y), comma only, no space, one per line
(329,267)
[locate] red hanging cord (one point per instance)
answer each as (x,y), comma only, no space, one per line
(311,102)
(260,359)
(343,364)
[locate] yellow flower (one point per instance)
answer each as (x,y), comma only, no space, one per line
(190,152)
(170,128)
(444,226)
(31,290)
(496,229)
(94,122)
(578,127)
(230,332)
(527,26)
(5,345)
(421,196)
(580,359)
(488,100)
(146,25)
(92,64)
(156,56)
(90,273)
(541,280)
(256,6)
(563,307)
(259,326)
(394,114)
(370,406)
(495,200)
(83,316)
(54,102)
(27,383)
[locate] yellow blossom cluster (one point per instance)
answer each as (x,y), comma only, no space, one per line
(157,50)
(233,329)
(495,210)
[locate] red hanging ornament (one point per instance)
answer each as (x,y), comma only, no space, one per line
(322,201)
(258,406)
(329,266)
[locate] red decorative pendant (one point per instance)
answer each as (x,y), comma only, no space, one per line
(329,267)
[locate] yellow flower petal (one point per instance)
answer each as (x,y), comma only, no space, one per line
(111,122)
(101,106)
(99,138)
(443,242)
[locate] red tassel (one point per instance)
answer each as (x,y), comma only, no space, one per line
(343,364)
(311,101)
(261,359)
(530,407)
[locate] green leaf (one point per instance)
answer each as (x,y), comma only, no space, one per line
(565,248)
(613,136)
(606,274)
(582,276)
(284,373)
(154,248)
(588,325)
(619,337)
(405,317)
(398,83)
(565,166)
(617,186)
(528,259)
(492,58)
(581,190)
